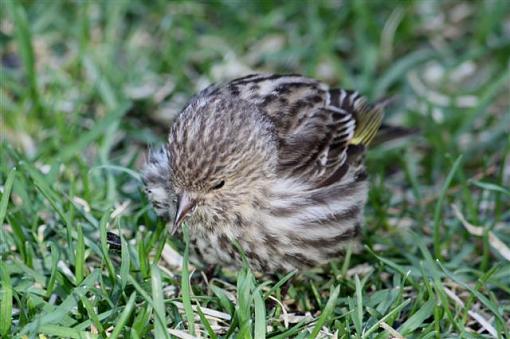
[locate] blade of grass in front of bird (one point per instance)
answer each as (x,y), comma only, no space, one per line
(159,302)
(243,307)
(143,258)
(347,261)
(260,314)
(327,311)
(185,286)
(357,316)
(439,206)
(316,295)
(121,322)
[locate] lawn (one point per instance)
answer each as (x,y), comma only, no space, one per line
(87,86)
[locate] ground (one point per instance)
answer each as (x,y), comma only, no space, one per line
(87,86)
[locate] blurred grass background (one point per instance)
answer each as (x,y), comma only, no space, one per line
(86,86)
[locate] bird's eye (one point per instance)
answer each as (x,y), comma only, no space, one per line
(219,185)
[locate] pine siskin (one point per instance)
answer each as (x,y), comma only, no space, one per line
(273,163)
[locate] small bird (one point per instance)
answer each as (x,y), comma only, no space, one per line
(269,164)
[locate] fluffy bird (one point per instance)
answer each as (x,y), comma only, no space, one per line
(269,163)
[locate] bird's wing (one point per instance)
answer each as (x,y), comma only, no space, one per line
(320,130)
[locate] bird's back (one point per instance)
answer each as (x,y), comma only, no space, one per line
(320,131)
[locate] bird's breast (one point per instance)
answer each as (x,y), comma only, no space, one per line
(290,230)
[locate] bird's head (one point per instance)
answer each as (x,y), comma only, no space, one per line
(222,152)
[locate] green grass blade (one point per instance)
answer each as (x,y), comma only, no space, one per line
(385,318)
(104,244)
(55,257)
(260,315)
(357,316)
(42,184)
(280,283)
(79,259)
(94,319)
(159,302)
(5,302)
(121,322)
(135,175)
(185,286)
(63,332)
(125,263)
(148,298)
(439,206)
(225,303)
(206,323)
(417,319)
(483,299)
(98,130)
(326,312)
(491,187)
(4,203)
(24,39)
(64,308)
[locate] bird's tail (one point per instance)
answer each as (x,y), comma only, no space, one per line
(368,120)
(369,126)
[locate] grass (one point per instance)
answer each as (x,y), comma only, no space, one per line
(87,86)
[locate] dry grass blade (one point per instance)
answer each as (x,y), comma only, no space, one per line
(171,257)
(494,241)
(181,334)
(207,311)
(476,316)
(391,331)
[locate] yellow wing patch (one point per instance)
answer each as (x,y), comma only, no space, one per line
(368,120)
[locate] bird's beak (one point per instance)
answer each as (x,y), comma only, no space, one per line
(185,206)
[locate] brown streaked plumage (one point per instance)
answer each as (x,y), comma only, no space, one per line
(272,162)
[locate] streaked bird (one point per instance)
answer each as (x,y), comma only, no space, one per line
(269,163)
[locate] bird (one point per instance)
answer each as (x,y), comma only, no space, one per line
(266,169)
